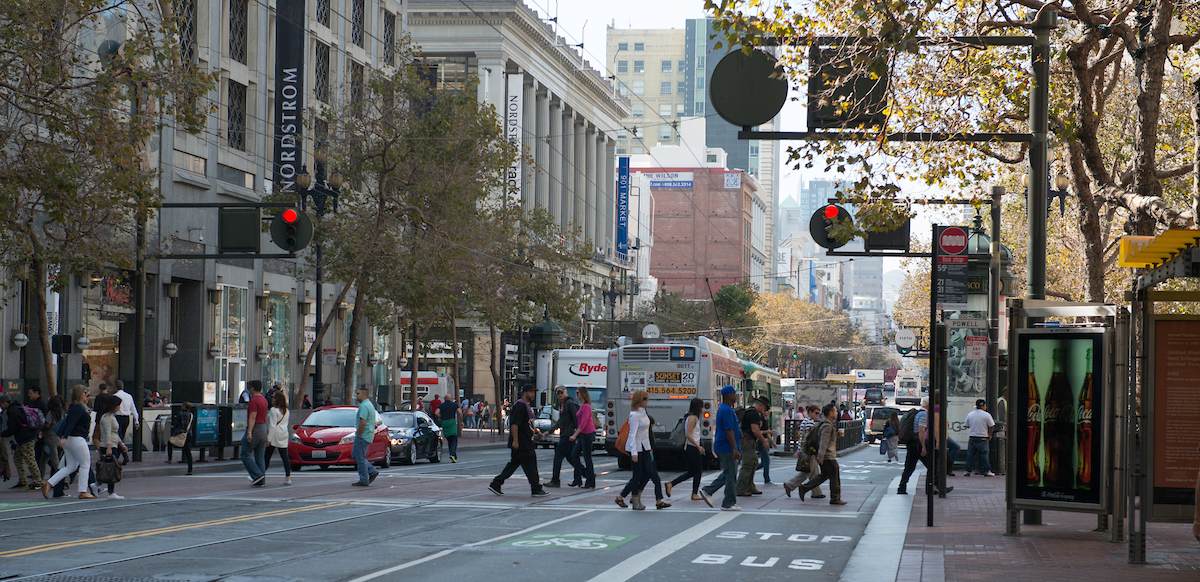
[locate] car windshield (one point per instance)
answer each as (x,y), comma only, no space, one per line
(332,417)
(883,413)
(544,413)
(397,419)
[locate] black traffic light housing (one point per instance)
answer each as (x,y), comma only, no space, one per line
(291,230)
(823,222)
(904,351)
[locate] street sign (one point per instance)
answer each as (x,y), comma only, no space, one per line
(951,268)
(905,338)
(976,348)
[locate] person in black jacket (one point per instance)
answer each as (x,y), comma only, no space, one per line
(16,426)
(566,424)
(75,433)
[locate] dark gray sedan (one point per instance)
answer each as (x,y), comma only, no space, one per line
(413,435)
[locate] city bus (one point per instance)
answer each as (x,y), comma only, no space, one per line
(763,381)
(908,387)
(672,374)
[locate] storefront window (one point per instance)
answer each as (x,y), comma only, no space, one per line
(383,350)
(277,339)
(106,305)
(231,336)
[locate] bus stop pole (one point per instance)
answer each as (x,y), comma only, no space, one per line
(933,371)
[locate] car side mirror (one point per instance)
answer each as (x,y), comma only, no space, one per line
(295,426)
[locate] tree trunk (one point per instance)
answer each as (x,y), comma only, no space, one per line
(39,291)
(416,360)
(454,351)
(495,364)
(1196,147)
(316,345)
(352,349)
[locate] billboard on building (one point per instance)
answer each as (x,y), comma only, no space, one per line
(514,112)
(289,93)
(623,206)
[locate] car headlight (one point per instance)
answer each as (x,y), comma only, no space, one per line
(399,440)
(347,439)
(295,440)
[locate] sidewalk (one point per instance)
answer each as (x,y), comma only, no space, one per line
(968,543)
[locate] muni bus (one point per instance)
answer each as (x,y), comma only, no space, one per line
(672,374)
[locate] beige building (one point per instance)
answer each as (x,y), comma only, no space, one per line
(649,67)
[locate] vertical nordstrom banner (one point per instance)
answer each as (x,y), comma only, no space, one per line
(623,206)
(289,92)
(514,112)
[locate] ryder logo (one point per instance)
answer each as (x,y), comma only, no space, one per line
(585,369)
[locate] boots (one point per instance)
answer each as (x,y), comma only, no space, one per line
(636,502)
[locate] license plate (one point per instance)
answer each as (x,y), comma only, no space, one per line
(318,454)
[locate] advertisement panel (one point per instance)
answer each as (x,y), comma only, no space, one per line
(514,113)
(682,380)
(289,93)
(1059,432)
(623,205)
(1174,410)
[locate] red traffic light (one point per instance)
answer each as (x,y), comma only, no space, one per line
(831,211)
(290,216)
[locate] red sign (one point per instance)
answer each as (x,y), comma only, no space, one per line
(953,240)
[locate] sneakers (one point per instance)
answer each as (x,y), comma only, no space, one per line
(551,484)
(989,474)
(115,496)
(286,482)
(371,479)
(359,484)
(965,474)
(731,508)
(707,498)
(494,488)
(540,493)
(259,482)
(453,459)
(901,491)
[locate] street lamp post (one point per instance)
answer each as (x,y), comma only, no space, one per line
(324,194)
(611,290)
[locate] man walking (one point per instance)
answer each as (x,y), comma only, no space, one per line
(566,425)
(728,450)
(826,457)
(520,423)
(254,442)
(752,437)
(807,466)
(917,449)
(16,423)
(450,416)
(363,436)
(979,437)
(127,412)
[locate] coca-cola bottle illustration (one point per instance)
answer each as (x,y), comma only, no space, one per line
(1059,426)
(1033,426)
(1083,423)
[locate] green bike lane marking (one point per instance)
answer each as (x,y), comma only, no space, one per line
(571,541)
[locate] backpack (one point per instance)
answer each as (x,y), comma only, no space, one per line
(34,419)
(908,432)
(812,440)
(622,438)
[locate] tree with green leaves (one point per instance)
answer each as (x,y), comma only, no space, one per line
(84,84)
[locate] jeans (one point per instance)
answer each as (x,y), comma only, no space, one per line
(526,459)
(977,448)
(764,461)
(584,467)
(745,478)
(952,449)
(254,448)
(727,479)
(359,453)
(77,458)
(695,465)
(563,450)
(283,456)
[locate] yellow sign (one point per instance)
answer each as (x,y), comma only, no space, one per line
(668,377)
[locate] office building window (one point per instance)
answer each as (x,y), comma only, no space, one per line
(622,134)
(321,72)
(389,38)
(238,24)
(664,110)
(639,46)
(622,88)
(236,116)
(681,109)
(622,66)
(754,149)
(356,82)
(699,82)
(639,87)
(666,66)
(622,46)
(639,151)
(699,109)
(682,66)
(186,11)
(699,61)
(357,17)
(639,67)
(323,12)
(639,111)
(665,88)
(620,151)
(682,87)
(664,133)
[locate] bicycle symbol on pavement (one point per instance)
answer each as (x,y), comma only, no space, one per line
(570,541)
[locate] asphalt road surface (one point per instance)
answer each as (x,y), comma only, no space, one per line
(439,522)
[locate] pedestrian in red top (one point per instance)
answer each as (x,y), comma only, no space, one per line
(434,404)
(254,442)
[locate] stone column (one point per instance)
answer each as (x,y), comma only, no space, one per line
(555,168)
(591,209)
(606,151)
(580,174)
(541,178)
(529,144)
(567,175)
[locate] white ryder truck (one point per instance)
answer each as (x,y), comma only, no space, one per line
(572,369)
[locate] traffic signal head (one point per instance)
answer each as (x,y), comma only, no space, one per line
(823,223)
(795,355)
(903,351)
(291,230)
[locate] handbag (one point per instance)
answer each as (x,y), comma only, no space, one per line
(108,470)
(178,440)
(60,429)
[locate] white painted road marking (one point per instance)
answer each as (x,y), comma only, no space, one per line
(637,563)
(877,555)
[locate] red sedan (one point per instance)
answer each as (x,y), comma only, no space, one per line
(327,436)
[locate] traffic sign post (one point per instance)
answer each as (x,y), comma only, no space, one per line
(950,269)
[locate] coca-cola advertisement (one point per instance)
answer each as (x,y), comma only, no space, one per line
(1058,434)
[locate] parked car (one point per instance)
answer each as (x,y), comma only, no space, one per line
(542,422)
(326,438)
(877,418)
(412,436)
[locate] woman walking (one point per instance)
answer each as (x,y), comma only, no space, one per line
(693,453)
(278,434)
(891,438)
(74,443)
(181,424)
(584,437)
(641,453)
(108,438)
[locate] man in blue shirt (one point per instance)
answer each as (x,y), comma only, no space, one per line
(364,434)
(728,450)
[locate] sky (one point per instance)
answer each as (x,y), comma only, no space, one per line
(587,20)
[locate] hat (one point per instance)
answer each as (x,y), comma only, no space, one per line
(727,390)
(528,388)
(763,399)
(980,403)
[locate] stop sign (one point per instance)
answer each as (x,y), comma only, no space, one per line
(953,241)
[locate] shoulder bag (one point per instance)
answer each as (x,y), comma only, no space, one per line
(108,470)
(179,440)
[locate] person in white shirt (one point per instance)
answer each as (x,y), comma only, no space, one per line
(127,411)
(641,452)
(979,427)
